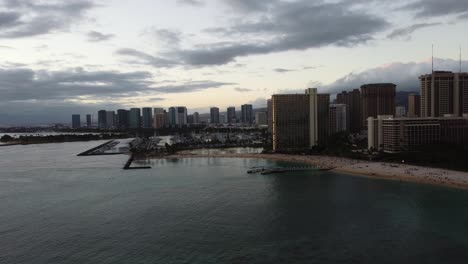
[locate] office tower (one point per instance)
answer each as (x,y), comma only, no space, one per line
(196,118)
(214,115)
(377,99)
(147,119)
(323,117)
(352,100)
(123,119)
(159,118)
(88,121)
(76,121)
(338,118)
(393,135)
(261,119)
(414,105)
(400,111)
(102,119)
(110,118)
(190,119)
(246,114)
(231,115)
(135,118)
(178,116)
(294,121)
(269,115)
(444,93)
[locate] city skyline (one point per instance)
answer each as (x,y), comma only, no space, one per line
(128,57)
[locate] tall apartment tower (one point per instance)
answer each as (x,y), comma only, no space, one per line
(231,115)
(110,118)
(196,118)
(444,93)
(414,105)
(269,115)
(123,119)
(177,116)
(294,120)
(135,118)
(247,114)
(323,117)
(377,99)
(352,100)
(88,121)
(159,118)
(338,118)
(214,115)
(147,118)
(102,119)
(76,121)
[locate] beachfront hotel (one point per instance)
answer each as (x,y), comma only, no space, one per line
(393,135)
(352,100)
(377,99)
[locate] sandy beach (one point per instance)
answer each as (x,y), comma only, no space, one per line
(390,171)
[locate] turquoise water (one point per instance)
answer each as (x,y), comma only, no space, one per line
(59,208)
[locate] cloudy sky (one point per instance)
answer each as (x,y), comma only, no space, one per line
(77,56)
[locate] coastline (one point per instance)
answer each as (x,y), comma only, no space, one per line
(378,170)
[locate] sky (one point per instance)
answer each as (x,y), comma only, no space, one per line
(60,58)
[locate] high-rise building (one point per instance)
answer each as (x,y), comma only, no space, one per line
(261,119)
(147,119)
(400,111)
(352,100)
(123,119)
(110,118)
(159,118)
(135,118)
(231,115)
(377,99)
(214,115)
(196,118)
(338,118)
(102,119)
(294,121)
(269,115)
(76,121)
(178,116)
(444,93)
(247,114)
(88,121)
(414,105)
(172,116)
(393,135)
(323,117)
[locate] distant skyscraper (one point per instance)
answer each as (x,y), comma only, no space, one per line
(323,117)
(135,118)
(178,116)
(295,121)
(270,115)
(196,118)
(261,119)
(89,122)
(377,99)
(414,105)
(123,119)
(338,118)
(214,115)
(172,116)
(247,114)
(147,120)
(159,118)
(110,118)
(400,111)
(76,121)
(444,93)
(102,119)
(231,115)
(352,100)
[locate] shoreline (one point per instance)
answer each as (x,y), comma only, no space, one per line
(358,168)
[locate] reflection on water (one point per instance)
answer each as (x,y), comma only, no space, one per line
(226,151)
(59,208)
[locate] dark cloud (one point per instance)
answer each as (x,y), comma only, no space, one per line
(407,31)
(251,5)
(242,90)
(140,57)
(191,2)
(168,37)
(192,86)
(25,18)
(95,36)
(282,70)
(463,16)
(431,8)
